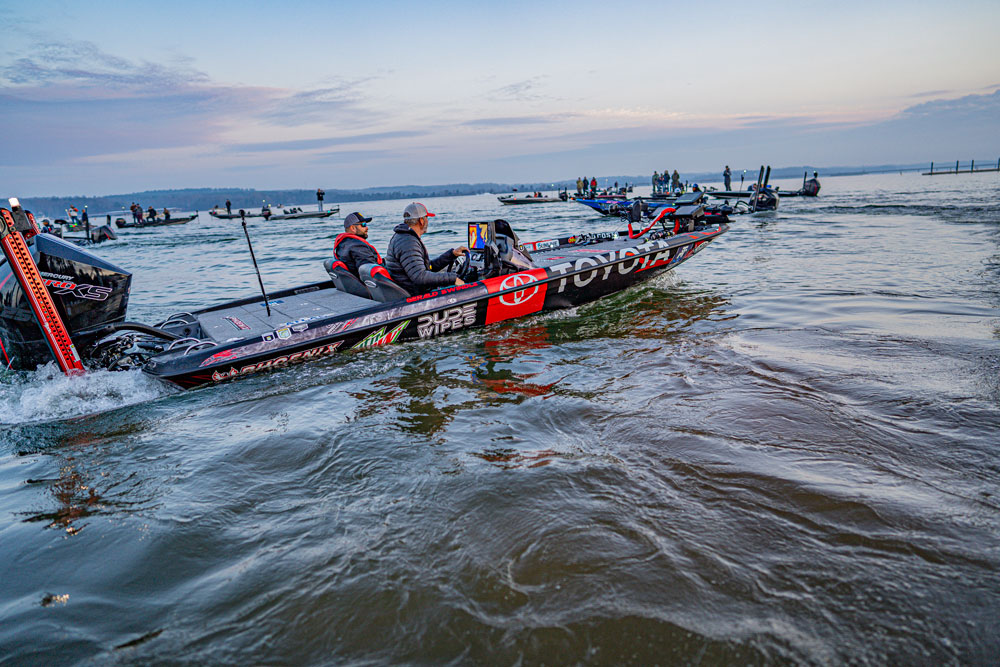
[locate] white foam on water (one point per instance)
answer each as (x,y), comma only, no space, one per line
(48,394)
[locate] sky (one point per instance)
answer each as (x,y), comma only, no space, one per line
(112,97)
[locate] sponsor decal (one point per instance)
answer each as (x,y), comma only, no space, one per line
(92,292)
(451,319)
(268,337)
(592,238)
(284,334)
(380,337)
(517,303)
(655,254)
(304,319)
(440,292)
(237,322)
(337,327)
(538,246)
(278,362)
(297,328)
(55,276)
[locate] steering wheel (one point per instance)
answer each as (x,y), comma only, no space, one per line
(463,266)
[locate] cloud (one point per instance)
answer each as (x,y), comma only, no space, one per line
(520,91)
(84,66)
(70,101)
(344,102)
(931,93)
(985,107)
(510,120)
(325,142)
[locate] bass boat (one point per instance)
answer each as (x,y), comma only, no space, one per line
(809,188)
(155,222)
(221,215)
(296,213)
(537,198)
(505,279)
(760,196)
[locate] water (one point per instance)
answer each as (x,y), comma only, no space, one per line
(785,451)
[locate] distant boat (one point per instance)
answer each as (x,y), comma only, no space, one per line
(97,235)
(295,213)
(291,213)
(809,188)
(536,198)
(155,222)
(619,206)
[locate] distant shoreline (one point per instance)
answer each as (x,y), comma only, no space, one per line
(203,199)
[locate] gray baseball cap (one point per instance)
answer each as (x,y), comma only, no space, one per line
(416,210)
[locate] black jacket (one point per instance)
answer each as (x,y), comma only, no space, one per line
(408,263)
(354,251)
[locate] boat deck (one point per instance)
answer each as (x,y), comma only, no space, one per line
(244,321)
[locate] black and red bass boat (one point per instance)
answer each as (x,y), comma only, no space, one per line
(505,279)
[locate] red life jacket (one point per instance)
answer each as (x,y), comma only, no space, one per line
(337,241)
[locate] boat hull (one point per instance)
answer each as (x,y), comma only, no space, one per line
(303,214)
(529,200)
(156,223)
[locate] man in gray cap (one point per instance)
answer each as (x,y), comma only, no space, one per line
(407,259)
(352,247)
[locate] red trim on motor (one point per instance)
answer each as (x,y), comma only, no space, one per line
(4,353)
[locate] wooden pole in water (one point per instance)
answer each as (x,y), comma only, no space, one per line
(932,167)
(956,166)
(973,167)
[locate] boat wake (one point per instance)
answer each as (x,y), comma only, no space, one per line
(48,395)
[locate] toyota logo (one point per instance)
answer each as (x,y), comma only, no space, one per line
(519,297)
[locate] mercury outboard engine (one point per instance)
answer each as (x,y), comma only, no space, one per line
(88,292)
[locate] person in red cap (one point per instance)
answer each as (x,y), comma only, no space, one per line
(352,247)
(406,258)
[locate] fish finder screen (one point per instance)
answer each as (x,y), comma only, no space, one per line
(478,235)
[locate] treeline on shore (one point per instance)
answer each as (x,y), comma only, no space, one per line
(202,199)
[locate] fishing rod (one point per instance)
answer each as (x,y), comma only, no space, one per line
(243,219)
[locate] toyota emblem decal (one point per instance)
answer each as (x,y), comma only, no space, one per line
(519,297)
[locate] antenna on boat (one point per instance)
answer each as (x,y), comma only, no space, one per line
(741,179)
(243,219)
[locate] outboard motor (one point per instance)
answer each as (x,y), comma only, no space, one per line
(87,291)
(102,233)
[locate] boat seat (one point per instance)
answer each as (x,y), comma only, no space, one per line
(344,280)
(380,283)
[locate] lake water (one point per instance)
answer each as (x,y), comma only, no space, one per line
(788,450)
